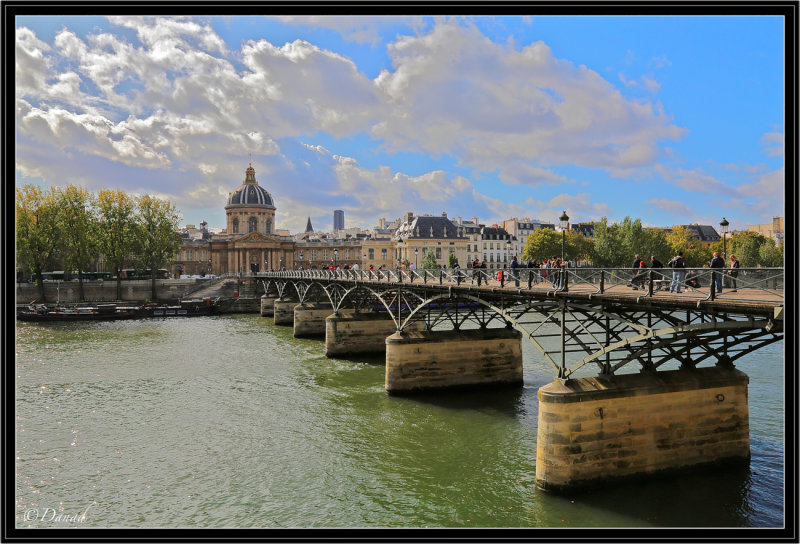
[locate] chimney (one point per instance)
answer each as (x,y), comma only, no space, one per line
(382,223)
(409,217)
(475,220)
(444,214)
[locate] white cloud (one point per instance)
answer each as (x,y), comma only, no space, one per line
(454,91)
(773,144)
(673,206)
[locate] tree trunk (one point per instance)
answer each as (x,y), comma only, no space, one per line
(40,281)
(80,285)
(119,284)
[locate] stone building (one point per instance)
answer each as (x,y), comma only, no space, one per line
(427,233)
(499,247)
(772,230)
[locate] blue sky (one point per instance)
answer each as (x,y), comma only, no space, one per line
(671,119)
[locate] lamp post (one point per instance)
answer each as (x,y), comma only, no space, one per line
(335,256)
(723,226)
(563,222)
(416,253)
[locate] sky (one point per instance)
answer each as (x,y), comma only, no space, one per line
(673,120)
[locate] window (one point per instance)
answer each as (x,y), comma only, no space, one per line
(324,254)
(313,254)
(438,253)
(189,255)
(383,254)
(269,226)
(300,255)
(252,225)
(236,225)
(372,254)
(347,253)
(452,250)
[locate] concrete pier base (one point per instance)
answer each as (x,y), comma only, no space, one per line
(593,430)
(309,319)
(418,361)
(351,333)
(267,306)
(283,311)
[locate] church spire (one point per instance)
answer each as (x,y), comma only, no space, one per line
(308,225)
(250,175)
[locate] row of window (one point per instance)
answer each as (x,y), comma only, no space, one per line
(346,255)
(252,225)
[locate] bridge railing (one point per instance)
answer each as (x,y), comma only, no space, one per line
(765,284)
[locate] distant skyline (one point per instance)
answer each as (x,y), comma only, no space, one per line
(673,120)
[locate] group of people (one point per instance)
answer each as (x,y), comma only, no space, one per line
(543,271)
(678,266)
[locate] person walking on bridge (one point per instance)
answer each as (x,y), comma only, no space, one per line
(717,262)
(515,271)
(677,264)
(734,271)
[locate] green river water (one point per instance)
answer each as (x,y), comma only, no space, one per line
(230,421)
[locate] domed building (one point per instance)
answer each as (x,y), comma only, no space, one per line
(250,243)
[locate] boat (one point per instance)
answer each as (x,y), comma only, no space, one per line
(185,308)
(101,312)
(42,312)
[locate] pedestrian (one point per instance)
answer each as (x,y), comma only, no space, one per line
(515,271)
(640,276)
(734,271)
(677,264)
(636,260)
(717,262)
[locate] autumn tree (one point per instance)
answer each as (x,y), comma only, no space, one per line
(542,244)
(79,242)
(694,253)
(38,230)
(770,255)
(118,229)
(157,236)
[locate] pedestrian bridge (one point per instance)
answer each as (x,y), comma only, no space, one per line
(644,376)
(606,319)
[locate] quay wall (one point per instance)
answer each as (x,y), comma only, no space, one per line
(105,291)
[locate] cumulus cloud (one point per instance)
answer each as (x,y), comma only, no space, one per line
(695,181)
(454,91)
(773,144)
(675,207)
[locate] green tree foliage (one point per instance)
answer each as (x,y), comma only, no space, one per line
(695,255)
(770,255)
(78,237)
(429,259)
(38,230)
(117,223)
(542,244)
(746,245)
(157,237)
(578,246)
(452,260)
(609,250)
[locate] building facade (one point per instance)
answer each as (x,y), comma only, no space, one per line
(438,235)
(338,220)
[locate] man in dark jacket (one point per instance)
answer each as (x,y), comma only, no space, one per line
(717,262)
(655,263)
(677,265)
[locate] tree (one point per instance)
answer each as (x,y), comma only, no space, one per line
(578,246)
(542,244)
(79,234)
(38,230)
(609,250)
(452,260)
(158,239)
(770,255)
(746,245)
(428,259)
(118,230)
(694,254)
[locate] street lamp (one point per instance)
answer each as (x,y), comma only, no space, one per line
(416,252)
(723,226)
(564,224)
(335,256)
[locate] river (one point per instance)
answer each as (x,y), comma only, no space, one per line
(230,421)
